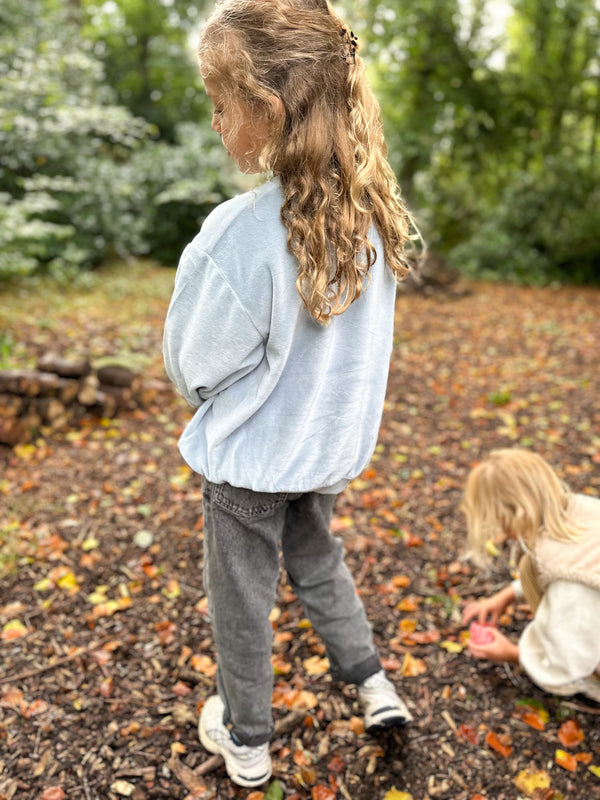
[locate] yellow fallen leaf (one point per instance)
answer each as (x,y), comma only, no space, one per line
(43,585)
(395,794)
(96,597)
(595,771)
(69,583)
(452,647)
(305,623)
(491,549)
(528,780)
(89,544)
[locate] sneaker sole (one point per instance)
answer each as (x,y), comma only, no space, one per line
(232,771)
(386,724)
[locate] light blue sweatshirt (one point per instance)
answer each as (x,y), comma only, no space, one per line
(284,404)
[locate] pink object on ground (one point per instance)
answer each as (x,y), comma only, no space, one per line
(481,634)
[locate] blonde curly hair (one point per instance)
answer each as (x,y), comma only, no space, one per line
(327,147)
(516,492)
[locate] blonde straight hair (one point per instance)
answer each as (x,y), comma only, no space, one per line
(516,492)
(327,147)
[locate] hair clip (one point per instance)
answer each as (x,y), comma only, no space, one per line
(351,42)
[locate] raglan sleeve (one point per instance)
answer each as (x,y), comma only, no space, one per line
(210,340)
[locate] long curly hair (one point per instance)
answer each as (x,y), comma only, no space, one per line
(515,491)
(327,147)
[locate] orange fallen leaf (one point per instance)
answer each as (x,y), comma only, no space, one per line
(533,719)
(408,604)
(322,792)
(570,733)
(500,743)
(412,666)
(53,793)
(315,665)
(357,725)
(425,637)
(13,629)
(280,665)
(565,760)
(203,664)
(256,796)
(408,625)
(302,757)
(584,758)
(35,708)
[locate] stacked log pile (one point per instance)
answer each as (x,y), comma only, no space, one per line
(60,392)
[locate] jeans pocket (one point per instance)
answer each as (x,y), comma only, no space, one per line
(244,503)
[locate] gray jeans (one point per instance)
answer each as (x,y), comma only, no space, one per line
(243,531)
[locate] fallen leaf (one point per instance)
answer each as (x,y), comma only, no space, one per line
(565,760)
(570,733)
(172,590)
(452,647)
(322,792)
(13,629)
(274,791)
(528,780)
(501,743)
(203,664)
(181,689)
(53,793)
(315,665)
(394,794)
(412,666)
(408,604)
(401,581)
(280,665)
(468,733)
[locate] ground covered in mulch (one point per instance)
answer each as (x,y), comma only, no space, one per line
(105,647)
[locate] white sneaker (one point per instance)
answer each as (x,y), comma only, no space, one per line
(246,766)
(382,706)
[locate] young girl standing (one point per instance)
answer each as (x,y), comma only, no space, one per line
(280,333)
(517,492)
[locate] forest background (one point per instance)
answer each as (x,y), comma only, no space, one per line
(491,112)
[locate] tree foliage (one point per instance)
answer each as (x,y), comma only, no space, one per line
(493,128)
(492,123)
(82,177)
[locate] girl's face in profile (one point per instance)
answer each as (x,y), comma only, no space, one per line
(243,135)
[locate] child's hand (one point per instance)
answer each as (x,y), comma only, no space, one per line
(488,609)
(500,649)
